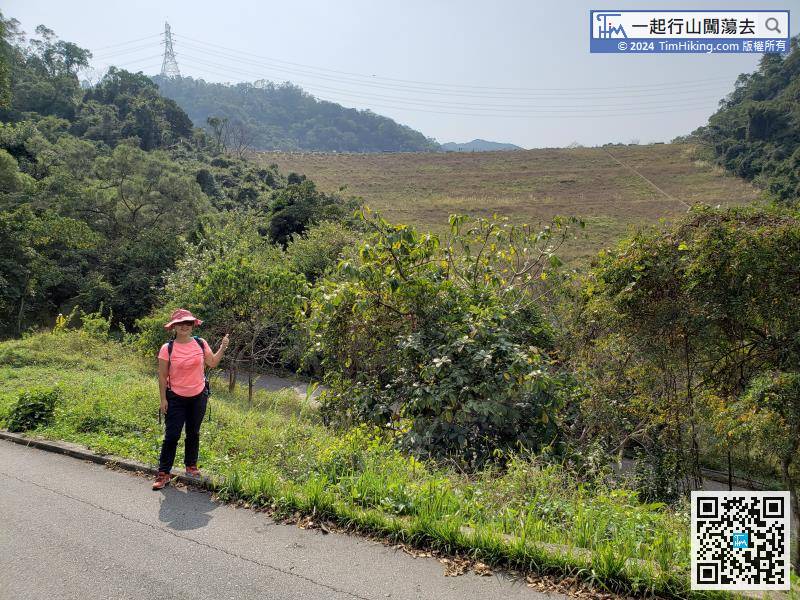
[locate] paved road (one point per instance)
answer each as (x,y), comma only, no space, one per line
(74,529)
(271,383)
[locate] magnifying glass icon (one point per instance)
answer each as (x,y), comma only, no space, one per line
(772,25)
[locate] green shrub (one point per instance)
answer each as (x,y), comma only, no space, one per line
(654,475)
(444,345)
(319,248)
(32,409)
(96,325)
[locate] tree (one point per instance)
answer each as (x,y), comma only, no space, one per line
(284,117)
(241,285)
(685,314)
(770,411)
(44,76)
(442,343)
(142,112)
(298,205)
(219,128)
(240,139)
(40,256)
(6,53)
(756,132)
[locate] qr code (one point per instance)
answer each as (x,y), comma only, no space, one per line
(740,540)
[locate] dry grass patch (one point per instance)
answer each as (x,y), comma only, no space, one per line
(530,186)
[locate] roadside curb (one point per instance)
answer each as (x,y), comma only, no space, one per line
(77,451)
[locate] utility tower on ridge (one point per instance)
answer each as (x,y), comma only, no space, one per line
(169,68)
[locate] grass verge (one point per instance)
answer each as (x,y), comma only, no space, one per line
(532,516)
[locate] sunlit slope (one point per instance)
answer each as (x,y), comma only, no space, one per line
(529,186)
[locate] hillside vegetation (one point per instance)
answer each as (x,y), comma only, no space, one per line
(284,117)
(755,134)
(101,189)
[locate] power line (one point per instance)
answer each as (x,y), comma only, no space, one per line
(132,61)
(146,67)
(643,90)
(126,43)
(409,95)
(396,89)
(599,109)
(671,85)
(104,55)
(484,115)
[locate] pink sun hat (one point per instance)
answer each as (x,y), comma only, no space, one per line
(180,315)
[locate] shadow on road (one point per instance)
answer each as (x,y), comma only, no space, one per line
(183,511)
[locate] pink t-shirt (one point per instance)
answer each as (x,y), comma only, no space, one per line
(186,369)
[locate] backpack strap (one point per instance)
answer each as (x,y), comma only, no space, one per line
(169,360)
(203,348)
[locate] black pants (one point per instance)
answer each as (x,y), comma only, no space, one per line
(188,410)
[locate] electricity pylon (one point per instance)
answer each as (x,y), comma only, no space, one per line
(169,68)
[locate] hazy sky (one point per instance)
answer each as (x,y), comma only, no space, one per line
(509,71)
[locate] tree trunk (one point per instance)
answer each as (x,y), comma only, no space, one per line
(21,312)
(250,387)
(794,500)
(795,555)
(232,377)
(696,474)
(234,370)
(730,468)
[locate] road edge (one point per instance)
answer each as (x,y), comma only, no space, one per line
(81,452)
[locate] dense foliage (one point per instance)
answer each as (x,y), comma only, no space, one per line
(689,336)
(442,342)
(33,408)
(102,189)
(756,131)
(284,117)
(243,286)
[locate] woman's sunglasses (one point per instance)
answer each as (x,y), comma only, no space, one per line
(189,323)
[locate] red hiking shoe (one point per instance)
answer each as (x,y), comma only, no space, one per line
(162,479)
(193,471)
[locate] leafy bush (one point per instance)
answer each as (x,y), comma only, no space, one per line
(443,344)
(319,249)
(96,325)
(237,283)
(33,408)
(674,324)
(654,475)
(300,205)
(150,330)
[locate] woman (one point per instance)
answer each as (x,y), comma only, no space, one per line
(181,379)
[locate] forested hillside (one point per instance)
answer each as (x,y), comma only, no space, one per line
(284,117)
(756,131)
(102,189)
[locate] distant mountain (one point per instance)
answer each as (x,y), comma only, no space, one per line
(478,146)
(285,117)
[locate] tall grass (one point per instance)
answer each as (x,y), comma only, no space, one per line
(275,452)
